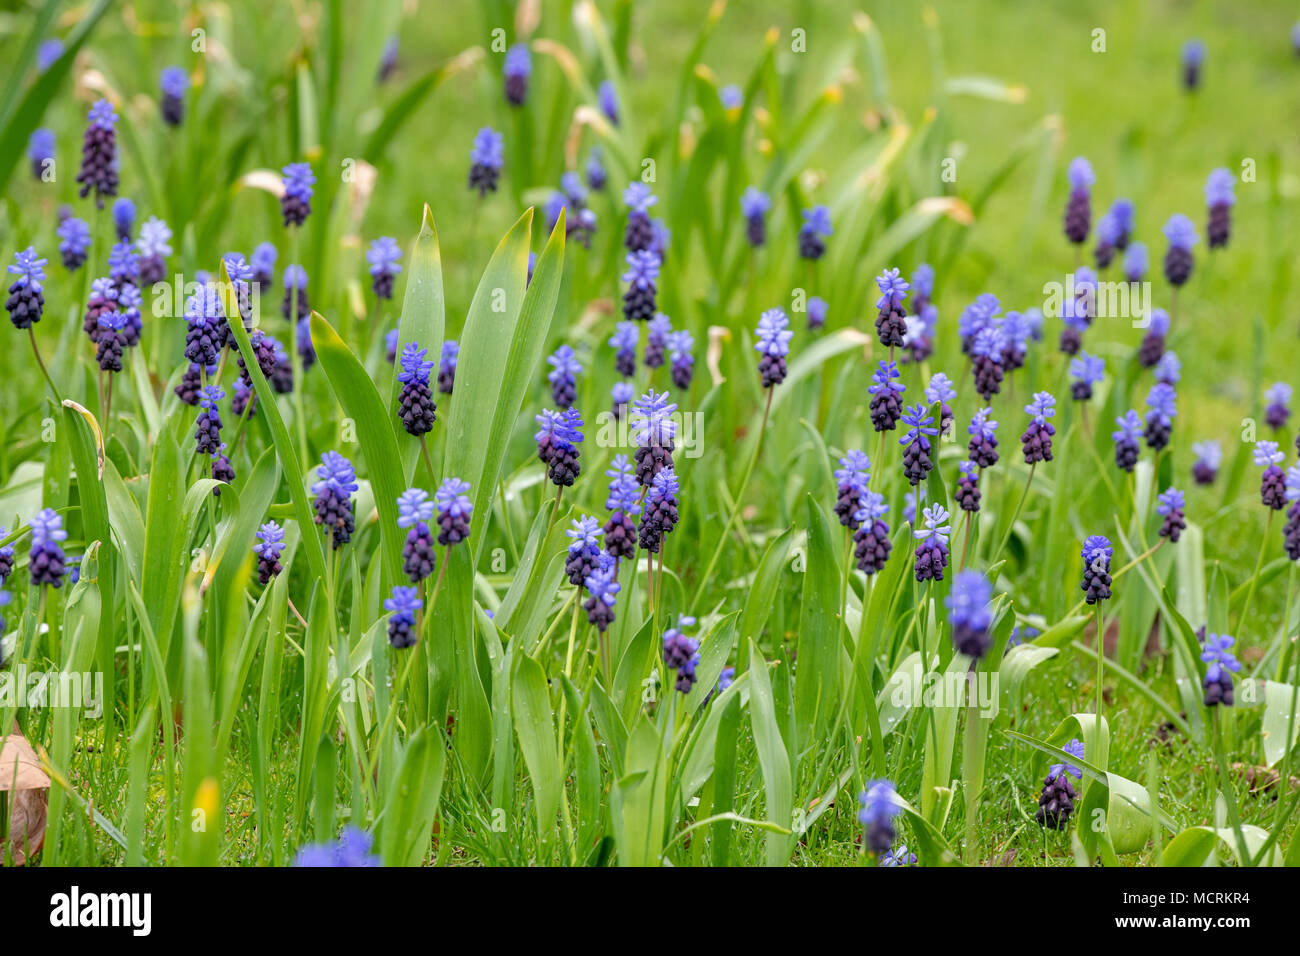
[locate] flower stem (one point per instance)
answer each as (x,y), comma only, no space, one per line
(44,371)
(735,504)
(993,559)
(1254,578)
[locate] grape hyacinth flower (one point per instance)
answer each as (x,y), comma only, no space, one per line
(207,430)
(890,324)
(384,267)
(222,469)
(123,265)
(918,342)
(1152,349)
(681,654)
(402,631)
(1162,402)
(602,590)
(1290,533)
(154,247)
(584,549)
(1193,58)
(110,341)
(40,152)
(986,362)
(295,203)
(1078,210)
(916,457)
(244,402)
(48,53)
(1278,397)
(983,432)
(416,407)
(922,286)
(123,218)
(976,317)
(454,511)
(1056,802)
(640,234)
(415,511)
(564,369)
(1085,372)
(886,409)
(940,391)
(816,314)
(1096,554)
(518,67)
(447,366)
(1126,440)
(871,544)
(1136,262)
(74,242)
(812,234)
(851,480)
(898,857)
(129,303)
(879,807)
(773,345)
(624,342)
(1178,259)
(99,154)
(6,558)
(269,547)
(263,264)
(1219,200)
(335,483)
(969,614)
(265,350)
(653,430)
(557,445)
(206,330)
(26,302)
(47,562)
(754,206)
(660,515)
(1037,439)
(1209,456)
(967,492)
(173,82)
(1169,369)
(1170,504)
(620,395)
(624,504)
(642,278)
(595,170)
(932,552)
(295,292)
(1112,235)
(1076,316)
(1272,488)
(1015,330)
(1218,675)
(680,344)
(607,99)
(656,344)
(352,850)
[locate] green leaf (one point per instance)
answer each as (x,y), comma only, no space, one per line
(772,758)
(360,401)
(412,802)
(536,731)
(817,676)
(423,320)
